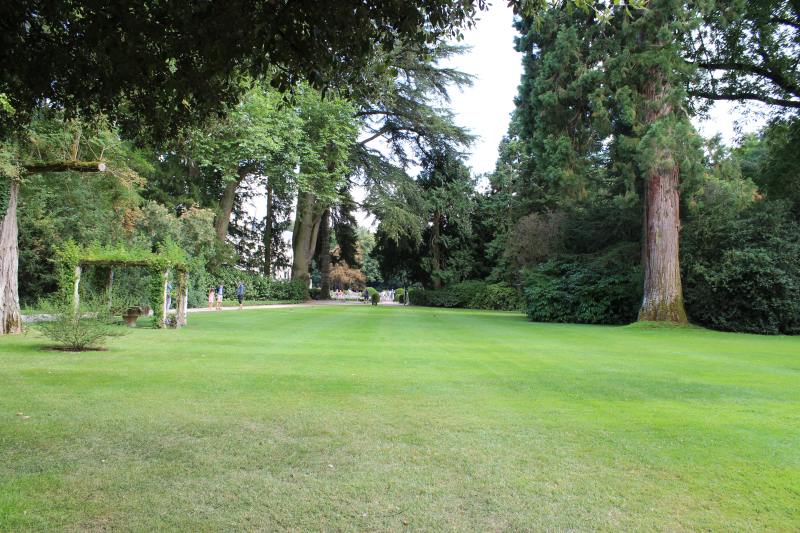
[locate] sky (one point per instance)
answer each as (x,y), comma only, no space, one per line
(485,108)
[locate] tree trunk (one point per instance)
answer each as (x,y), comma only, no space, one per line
(325,255)
(76,288)
(225,210)
(304,237)
(10,317)
(268,235)
(226,205)
(436,250)
(663,294)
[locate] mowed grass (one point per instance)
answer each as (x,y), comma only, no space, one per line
(387,418)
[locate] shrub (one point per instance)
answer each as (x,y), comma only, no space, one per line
(469,295)
(741,270)
(398,295)
(590,290)
(418,296)
(375,297)
(498,296)
(79,329)
(534,237)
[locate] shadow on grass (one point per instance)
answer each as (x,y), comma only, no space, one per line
(56,348)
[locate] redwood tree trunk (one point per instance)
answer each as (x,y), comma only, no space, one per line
(325,255)
(663,293)
(10,318)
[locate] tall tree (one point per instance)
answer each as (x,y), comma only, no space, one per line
(259,137)
(626,93)
(448,189)
(404,118)
(338,231)
(328,134)
(646,61)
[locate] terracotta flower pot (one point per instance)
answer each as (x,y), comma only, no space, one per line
(131,315)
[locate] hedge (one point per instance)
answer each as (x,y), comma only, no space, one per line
(605,289)
(469,295)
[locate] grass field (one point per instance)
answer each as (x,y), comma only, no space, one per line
(388,418)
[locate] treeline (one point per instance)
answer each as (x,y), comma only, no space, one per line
(606,206)
(216,154)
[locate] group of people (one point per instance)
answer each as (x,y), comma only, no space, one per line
(215,295)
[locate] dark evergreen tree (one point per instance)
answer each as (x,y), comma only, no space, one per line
(625,90)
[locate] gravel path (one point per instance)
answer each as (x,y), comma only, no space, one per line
(28,319)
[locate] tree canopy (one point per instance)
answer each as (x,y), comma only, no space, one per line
(164,64)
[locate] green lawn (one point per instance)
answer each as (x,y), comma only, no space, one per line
(388,418)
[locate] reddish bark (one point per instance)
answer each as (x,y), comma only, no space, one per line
(663,292)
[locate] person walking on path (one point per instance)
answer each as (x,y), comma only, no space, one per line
(240,293)
(210,297)
(219,296)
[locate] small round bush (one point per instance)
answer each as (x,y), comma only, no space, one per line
(77,330)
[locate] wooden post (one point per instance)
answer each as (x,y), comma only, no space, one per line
(76,295)
(182,301)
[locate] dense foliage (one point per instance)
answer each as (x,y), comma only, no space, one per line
(470,295)
(163,65)
(80,328)
(742,270)
(597,290)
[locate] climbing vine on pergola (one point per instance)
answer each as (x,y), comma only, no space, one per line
(72,259)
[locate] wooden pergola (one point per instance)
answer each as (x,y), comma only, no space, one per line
(74,260)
